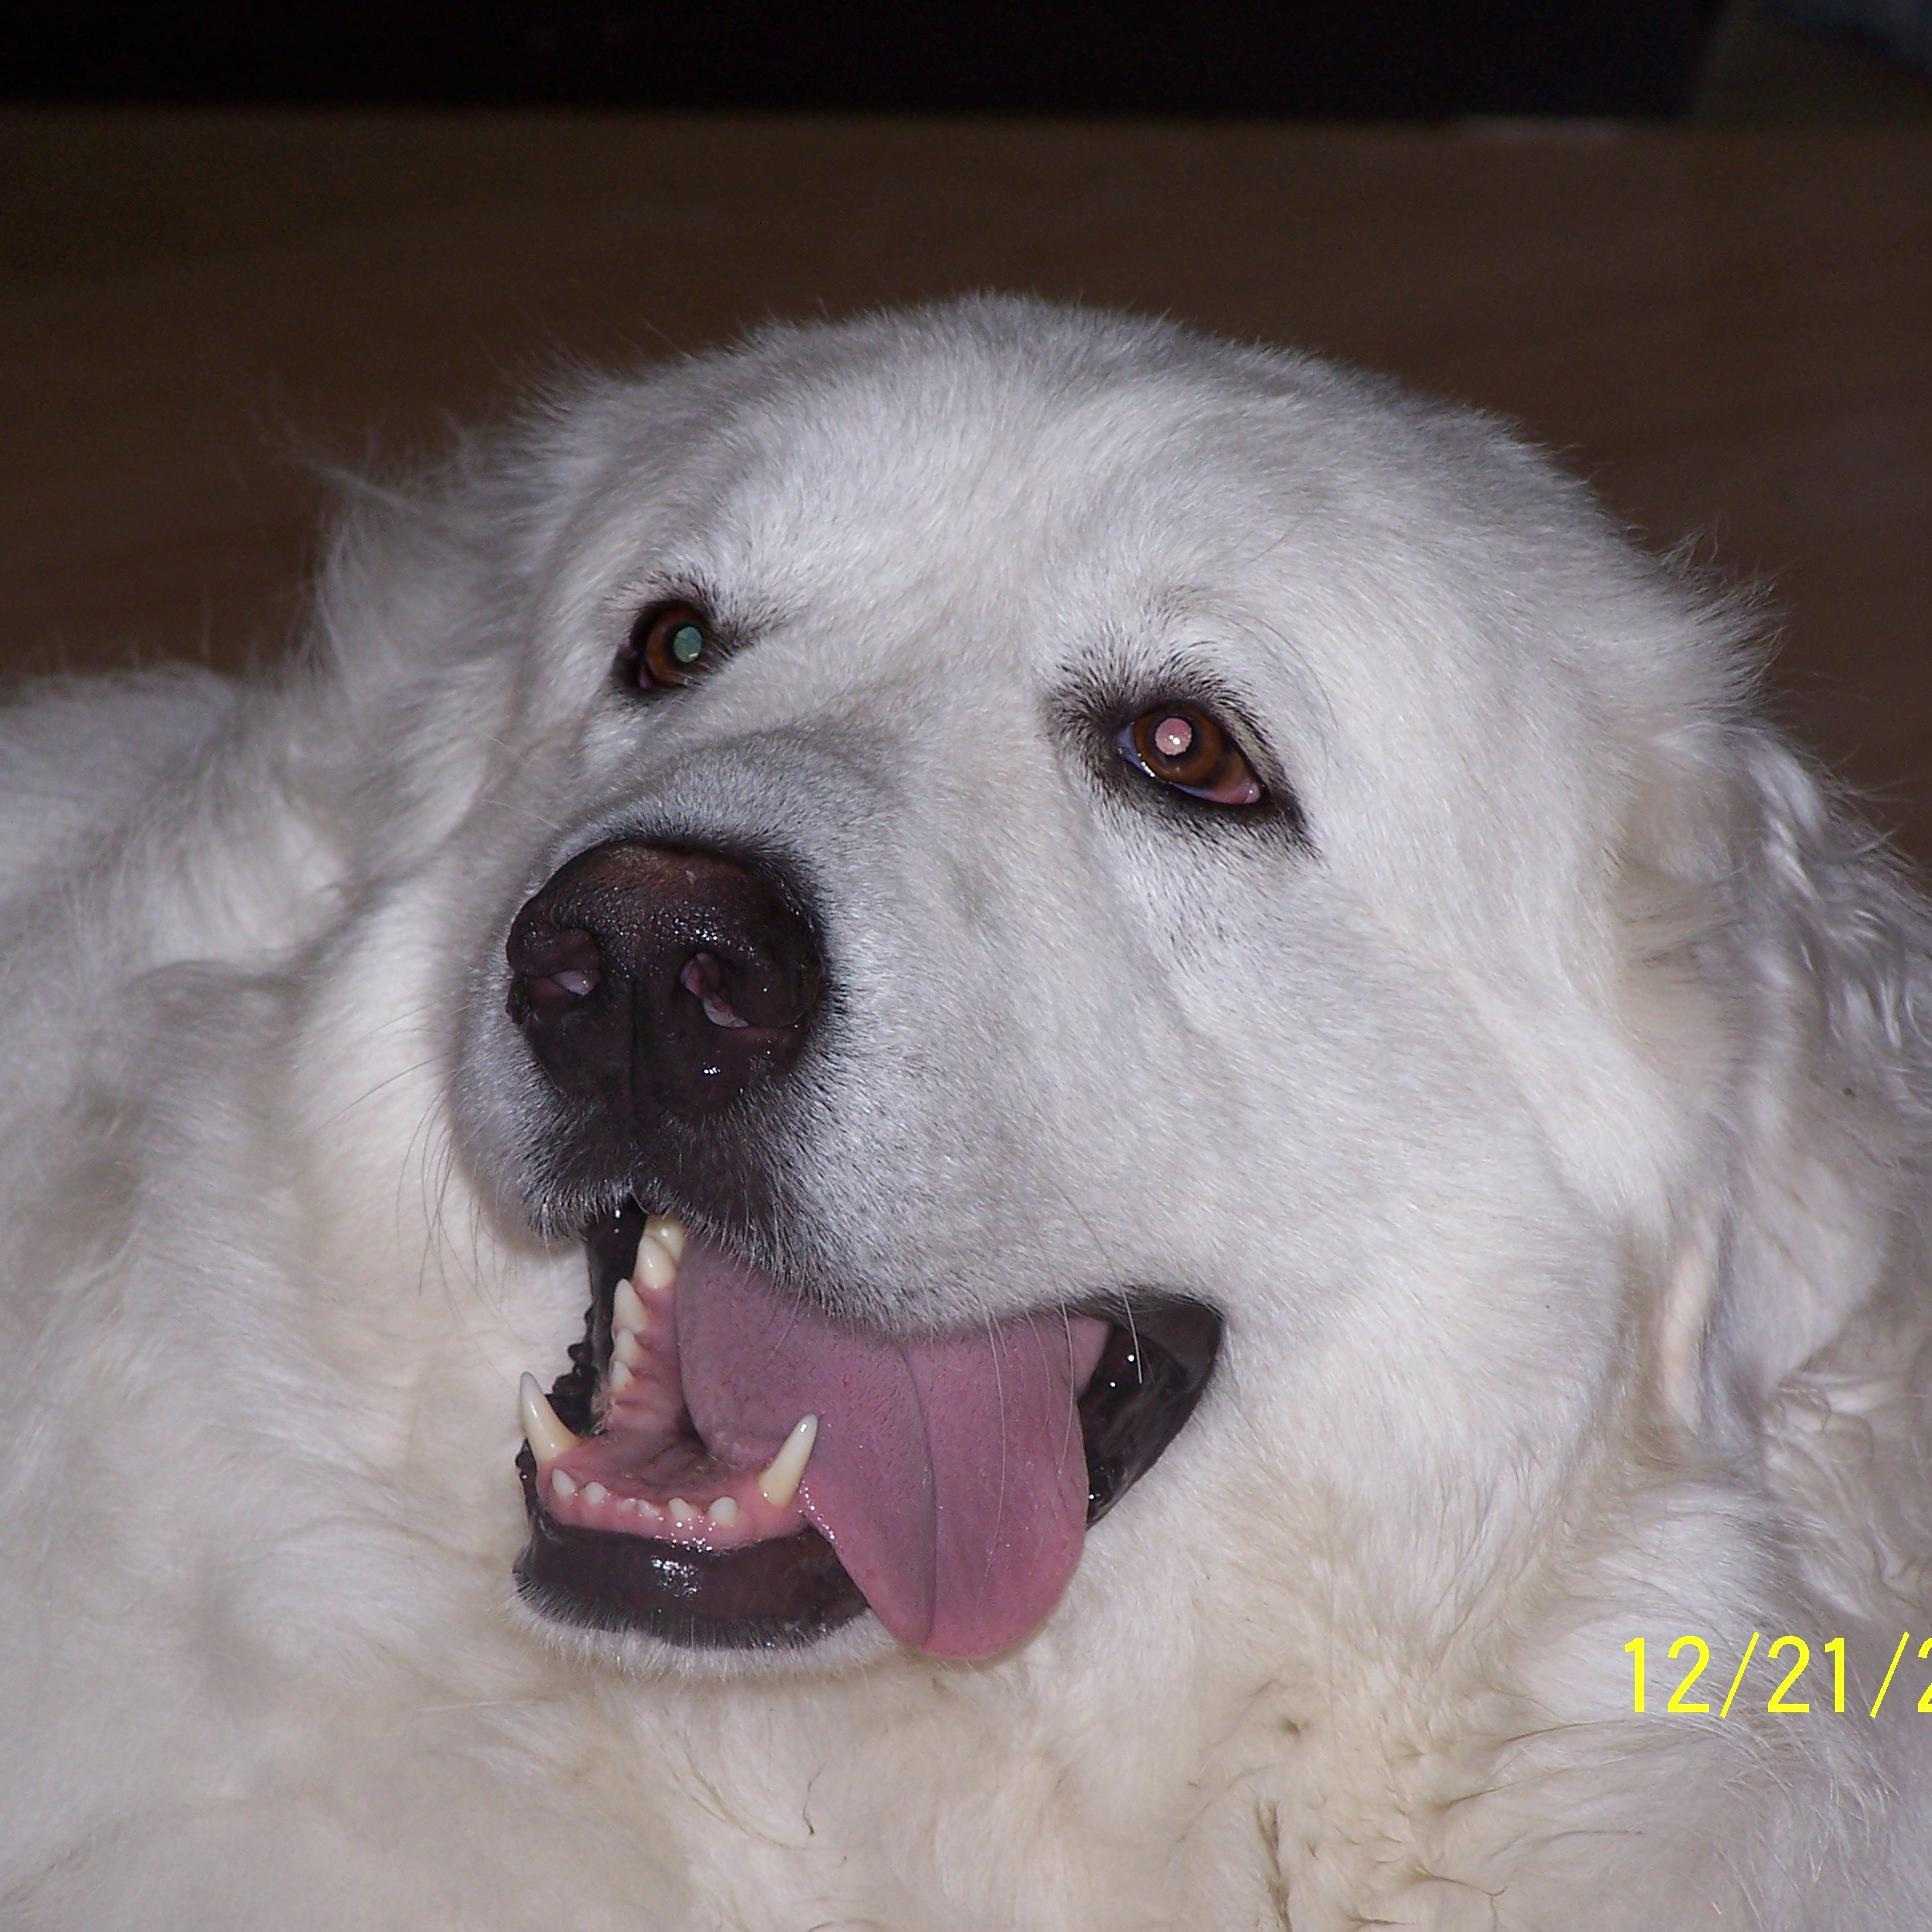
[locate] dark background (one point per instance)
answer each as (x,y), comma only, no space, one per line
(1370,59)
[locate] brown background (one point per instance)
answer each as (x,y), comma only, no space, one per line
(1730,332)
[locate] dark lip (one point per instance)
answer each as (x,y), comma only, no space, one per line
(793,1591)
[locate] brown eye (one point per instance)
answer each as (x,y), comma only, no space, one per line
(1188,748)
(670,645)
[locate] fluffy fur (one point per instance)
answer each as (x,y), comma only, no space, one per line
(1550,1125)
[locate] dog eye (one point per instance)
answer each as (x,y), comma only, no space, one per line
(670,644)
(1189,749)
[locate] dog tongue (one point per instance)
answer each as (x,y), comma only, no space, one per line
(948,1474)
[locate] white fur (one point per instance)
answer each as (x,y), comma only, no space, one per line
(1552,1131)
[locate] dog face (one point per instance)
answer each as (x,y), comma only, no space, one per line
(1080,880)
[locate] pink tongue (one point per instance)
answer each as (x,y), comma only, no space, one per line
(948,1474)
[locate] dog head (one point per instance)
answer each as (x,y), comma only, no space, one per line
(1080,921)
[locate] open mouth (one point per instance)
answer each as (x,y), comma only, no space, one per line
(724,1467)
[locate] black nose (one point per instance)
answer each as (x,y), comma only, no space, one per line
(652,977)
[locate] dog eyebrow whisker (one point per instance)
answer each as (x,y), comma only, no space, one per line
(999,1510)
(1073,1412)
(1133,1336)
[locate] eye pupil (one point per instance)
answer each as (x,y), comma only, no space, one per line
(1173,736)
(687,643)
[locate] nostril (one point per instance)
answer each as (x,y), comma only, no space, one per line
(703,978)
(552,970)
(559,988)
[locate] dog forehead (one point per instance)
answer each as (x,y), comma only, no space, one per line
(989,493)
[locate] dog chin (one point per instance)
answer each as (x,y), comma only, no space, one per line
(862,1644)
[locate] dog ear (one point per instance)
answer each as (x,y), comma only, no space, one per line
(1811,966)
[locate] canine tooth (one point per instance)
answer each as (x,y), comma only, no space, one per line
(547,1437)
(668,1232)
(596,1493)
(779,1484)
(626,1348)
(628,1309)
(656,1266)
(562,1484)
(621,1377)
(724,1510)
(681,1511)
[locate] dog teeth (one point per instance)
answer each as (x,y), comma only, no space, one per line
(654,1270)
(681,1511)
(547,1437)
(779,1483)
(628,1311)
(562,1484)
(629,1319)
(724,1510)
(656,1266)
(595,1493)
(668,1232)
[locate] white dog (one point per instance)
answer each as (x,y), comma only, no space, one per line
(1286,1153)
